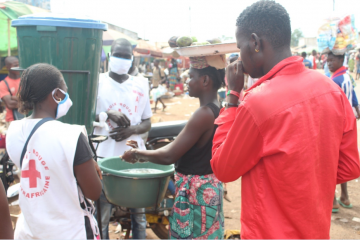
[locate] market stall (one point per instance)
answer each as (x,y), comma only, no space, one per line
(148,48)
(9,11)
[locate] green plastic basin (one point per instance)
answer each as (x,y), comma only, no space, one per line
(134,190)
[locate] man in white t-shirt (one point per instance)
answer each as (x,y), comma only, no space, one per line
(126,101)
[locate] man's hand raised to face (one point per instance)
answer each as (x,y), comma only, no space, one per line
(235,76)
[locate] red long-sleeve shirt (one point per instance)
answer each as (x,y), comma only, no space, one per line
(292,139)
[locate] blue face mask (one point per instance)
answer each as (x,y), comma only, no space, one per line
(63,105)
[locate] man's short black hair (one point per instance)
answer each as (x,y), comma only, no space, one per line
(269,20)
(121,42)
(303,54)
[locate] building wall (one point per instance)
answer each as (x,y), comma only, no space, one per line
(37,3)
(308,42)
(127,32)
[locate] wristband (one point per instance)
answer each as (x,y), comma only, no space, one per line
(232,92)
(227,105)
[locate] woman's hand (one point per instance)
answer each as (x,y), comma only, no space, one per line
(130,155)
(235,76)
(132,143)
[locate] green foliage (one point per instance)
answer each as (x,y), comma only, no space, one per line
(295,36)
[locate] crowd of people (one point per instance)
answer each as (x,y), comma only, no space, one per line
(170,74)
(163,78)
(317,60)
(287,130)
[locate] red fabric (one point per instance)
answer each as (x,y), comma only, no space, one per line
(338,72)
(235,93)
(2,141)
(4,91)
(292,139)
(181,86)
(314,62)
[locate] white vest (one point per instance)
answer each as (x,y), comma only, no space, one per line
(49,195)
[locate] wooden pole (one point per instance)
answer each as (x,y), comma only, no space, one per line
(9,46)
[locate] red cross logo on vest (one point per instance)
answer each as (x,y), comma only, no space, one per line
(32,174)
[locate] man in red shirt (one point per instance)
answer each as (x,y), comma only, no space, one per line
(292,138)
(13,80)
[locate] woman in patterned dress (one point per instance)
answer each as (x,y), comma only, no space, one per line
(197,211)
(173,74)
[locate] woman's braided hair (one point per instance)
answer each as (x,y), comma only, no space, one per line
(37,81)
(216,75)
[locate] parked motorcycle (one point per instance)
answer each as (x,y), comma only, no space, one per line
(7,170)
(9,175)
(163,133)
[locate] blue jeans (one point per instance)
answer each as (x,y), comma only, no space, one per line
(171,187)
(138,221)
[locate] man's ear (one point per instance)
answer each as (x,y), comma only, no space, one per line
(256,44)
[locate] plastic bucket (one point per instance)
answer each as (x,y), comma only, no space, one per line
(134,190)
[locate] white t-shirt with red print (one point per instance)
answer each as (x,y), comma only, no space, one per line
(131,98)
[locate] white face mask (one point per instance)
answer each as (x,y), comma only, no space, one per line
(63,105)
(120,66)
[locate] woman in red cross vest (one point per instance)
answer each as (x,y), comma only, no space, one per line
(58,174)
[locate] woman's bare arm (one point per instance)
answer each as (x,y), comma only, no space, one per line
(6,231)
(200,122)
(88,176)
